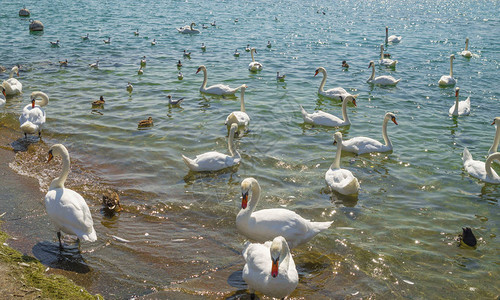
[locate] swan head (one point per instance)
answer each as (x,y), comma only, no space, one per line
(349,98)
(452,56)
(496,121)
(457,90)
(276,250)
(3,92)
(386,29)
(466,40)
(467,237)
(253,50)
(337,138)
(320,69)
(15,69)
(392,117)
(57,149)
(246,185)
(372,64)
(201,68)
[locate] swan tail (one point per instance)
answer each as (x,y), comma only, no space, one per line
(91,237)
(397,81)
(466,155)
(320,226)
(355,96)
(29,127)
(189,162)
(304,112)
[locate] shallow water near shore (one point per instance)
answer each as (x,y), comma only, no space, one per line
(177,231)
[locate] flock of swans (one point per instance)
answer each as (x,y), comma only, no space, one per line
(269,266)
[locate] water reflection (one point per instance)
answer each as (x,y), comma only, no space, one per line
(69,258)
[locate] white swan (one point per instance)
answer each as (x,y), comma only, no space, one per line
(466,52)
(481,170)
(391,39)
(215,161)
(66,208)
(496,141)
(2,96)
(217,89)
(447,80)
(322,118)
(33,116)
(240,117)
(265,224)
(269,268)
(461,108)
(381,80)
(362,145)
(386,61)
(334,93)
(254,65)
(188,29)
(341,180)
(12,86)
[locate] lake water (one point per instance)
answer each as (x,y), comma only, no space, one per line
(396,239)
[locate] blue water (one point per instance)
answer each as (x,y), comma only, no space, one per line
(396,239)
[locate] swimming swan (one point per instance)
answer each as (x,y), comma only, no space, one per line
(33,116)
(254,65)
(240,117)
(381,80)
(461,108)
(334,93)
(448,80)
(496,141)
(322,118)
(217,89)
(391,39)
(66,208)
(481,170)
(466,53)
(266,224)
(341,180)
(386,61)
(362,145)
(13,86)
(188,29)
(269,268)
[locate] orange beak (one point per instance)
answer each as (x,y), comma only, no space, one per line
(394,120)
(198,70)
(316,73)
(491,123)
(456,93)
(32,103)
(50,156)
(354,102)
(244,200)
(4,93)
(274,268)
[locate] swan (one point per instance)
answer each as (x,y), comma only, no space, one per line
(362,145)
(239,117)
(341,180)
(33,116)
(391,39)
(496,141)
(461,108)
(334,93)
(2,96)
(217,89)
(381,80)
(266,224)
(188,29)
(386,61)
(269,268)
(481,170)
(66,208)
(322,118)
(12,86)
(466,52)
(254,65)
(215,161)
(448,80)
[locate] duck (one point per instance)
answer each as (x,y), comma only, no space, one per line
(236,20)
(461,108)
(188,29)
(111,202)
(187,54)
(448,80)
(55,44)
(386,61)
(217,89)
(140,71)
(145,123)
(67,209)
(174,102)
(334,93)
(108,41)
(33,116)
(153,43)
(136,32)
(143,61)
(247,49)
(266,224)
(204,26)
(381,80)
(481,170)
(180,76)
(203,47)
(24,12)
(280,77)
(3,96)
(179,64)
(94,65)
(361,145)
(98,103)
(345,65)
(466,53)
(269,44)
(130,88)
(13,86)
(467,238)
(254,65)
(269,268)
(321,118)
(391,39)
(215,161)
(236,53)
(496,141)
(338,179)
(240,117)
(63,63)
(213,23)
(85,37)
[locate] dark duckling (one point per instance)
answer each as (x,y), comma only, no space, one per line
(111,201)
(467,237)
(345,64)
(98,103)
(146,123)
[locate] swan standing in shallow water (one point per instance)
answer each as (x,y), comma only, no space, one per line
(496,141)
(254,65)
(266,224)
(448,80)
(239,117)
(341,180)
(188,29)
(269,268)
(33,116)
(334,93)
(215,161)
(386,61)
(66,208)
(362,145)
(481,170)
(381,80)
(322,118)
(466,52)
(391,39)
(217,89)
(12,86)
(461,108)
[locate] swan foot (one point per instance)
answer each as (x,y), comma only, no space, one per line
(60,243)
(78,242)
(25,135)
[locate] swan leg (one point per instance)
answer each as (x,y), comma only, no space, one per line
(78,242)
(39,134)
(25,135)
(60,243)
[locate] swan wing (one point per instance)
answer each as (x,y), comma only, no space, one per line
(212,161)
(335,93)
(242,118)
(361,144)
(254,66)
(220,89)
(464,107)
(324,119)
(447,80)
(342,181)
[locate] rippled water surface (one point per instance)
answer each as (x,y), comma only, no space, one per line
(396,239)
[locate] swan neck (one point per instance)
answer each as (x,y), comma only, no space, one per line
(344,111)
(381,53)
(230,144)
(205,77)
(59,181)
(373,73)
(487,164)
(251,53)
(466,45)
(386,36)
(285,253)
(455,110)
(11,74)
(336,162)
(451,67)
(323,81)
(44,101)
(496,141)
(384,133)
(242,98)
(255,196)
